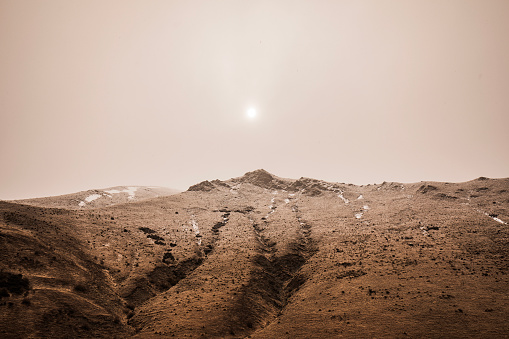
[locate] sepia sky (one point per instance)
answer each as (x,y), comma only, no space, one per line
(96,94)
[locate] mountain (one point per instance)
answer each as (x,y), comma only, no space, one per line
(263,257)
(101,197)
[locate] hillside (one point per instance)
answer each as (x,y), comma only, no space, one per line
(263,257)
(100,197)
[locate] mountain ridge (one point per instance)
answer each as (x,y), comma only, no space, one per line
(265,257)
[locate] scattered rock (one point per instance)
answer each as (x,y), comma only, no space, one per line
(481,189)
(426,188)
(444,196)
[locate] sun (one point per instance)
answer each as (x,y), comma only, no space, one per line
(251,113)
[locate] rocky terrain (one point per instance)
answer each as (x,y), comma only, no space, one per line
(262,257)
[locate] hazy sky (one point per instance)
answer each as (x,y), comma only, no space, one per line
(95,94)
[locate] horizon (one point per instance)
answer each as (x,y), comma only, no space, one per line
(260,169)
(124,93)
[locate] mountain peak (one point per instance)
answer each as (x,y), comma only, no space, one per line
(259,173)
(262,178)
(204,186)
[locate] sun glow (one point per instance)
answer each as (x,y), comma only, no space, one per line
(251,113)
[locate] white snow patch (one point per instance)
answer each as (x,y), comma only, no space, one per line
(196,230)
(345,200)
(358,215)
(495,218)
(287,201)
(360,197)
(92,197)
(195,226)
(291,194)
(366,207)
(272,208)
(235,188)
(129,190)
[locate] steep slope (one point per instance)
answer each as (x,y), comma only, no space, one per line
(326,260)
(269,257)
(100,197)
(51,286)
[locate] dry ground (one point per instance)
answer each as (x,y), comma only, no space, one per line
(264,257)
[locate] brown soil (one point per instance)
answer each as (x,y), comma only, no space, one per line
(263,257)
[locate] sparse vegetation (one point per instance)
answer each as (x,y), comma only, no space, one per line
(248,258)
(11,283)
(146,230)
(155,237)
(81,288)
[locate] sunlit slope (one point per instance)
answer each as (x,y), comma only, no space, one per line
(314,259)
(269,257)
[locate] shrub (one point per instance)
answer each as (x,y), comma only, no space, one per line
(80,288)
(155,237)
(13,283)
(146,230)
(4,293)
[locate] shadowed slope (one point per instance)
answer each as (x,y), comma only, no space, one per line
(69,294)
